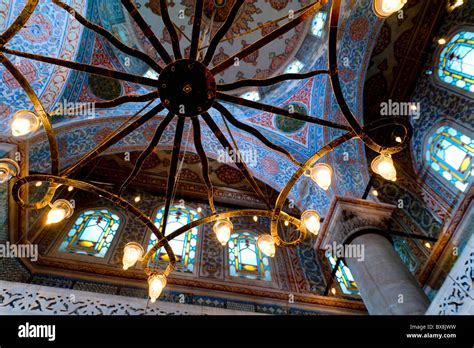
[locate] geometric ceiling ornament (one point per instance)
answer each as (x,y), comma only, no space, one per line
(290,125)
(189,92)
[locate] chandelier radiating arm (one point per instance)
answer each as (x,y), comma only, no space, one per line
(147,152)
(269,81)
(221,32)
(91,69)
(171,29)
(279,111)
(109,36)
(236,155)
(145,28)
(40,111)
(204,162)
(19,22)
(316,6)
(246,128)
(127,99)
(196,29)
(113,139)
(173,174)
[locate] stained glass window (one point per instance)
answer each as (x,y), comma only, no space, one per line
(343,276)
(92,233)
(456,63)
(184,246)
(295,67)
(252,95)
(317,26)
(245,260)
(449,153)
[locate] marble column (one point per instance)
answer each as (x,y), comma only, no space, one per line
(385,283)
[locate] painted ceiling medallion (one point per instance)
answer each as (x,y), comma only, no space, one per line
(290,125)
(104,87)
(187,91)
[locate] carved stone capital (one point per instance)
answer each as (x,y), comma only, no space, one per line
(350,215)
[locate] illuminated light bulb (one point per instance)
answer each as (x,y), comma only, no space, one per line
(156,284)
(38,184)
(375,193)
(311,221)
(321,174)
(333,291)
(223,229)
(455,5)
(413,107)
(199,209)
(24,122)
(70,188)
(5,175)
(60,210)
(385,8)
(383,166)
(287,223)
(255,218)
(137,199)
(428,245)
(132,253)
(442,41)
(398,139)
(8,169)
(266,245)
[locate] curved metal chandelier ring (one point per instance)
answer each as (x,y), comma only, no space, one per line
(56,180)
(19,22)
(336,86)
(381,123)
(40,111)
(225,215)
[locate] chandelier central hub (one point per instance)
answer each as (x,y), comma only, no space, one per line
(187,88)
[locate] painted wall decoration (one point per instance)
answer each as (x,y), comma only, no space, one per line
(441,106)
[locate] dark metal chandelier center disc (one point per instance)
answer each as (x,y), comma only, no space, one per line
(187,87)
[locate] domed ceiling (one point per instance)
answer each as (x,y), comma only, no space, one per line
(78,134)
(266,62)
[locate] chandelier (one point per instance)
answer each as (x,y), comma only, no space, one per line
(186,88)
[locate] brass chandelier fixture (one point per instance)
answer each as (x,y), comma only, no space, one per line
(187,90)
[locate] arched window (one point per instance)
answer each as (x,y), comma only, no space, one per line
(456,62)
(317,25)
(92,233)
(294,67)
(184,246)
(245,260)
(344,277)
(449,153)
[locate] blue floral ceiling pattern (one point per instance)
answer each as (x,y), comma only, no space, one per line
(76,135)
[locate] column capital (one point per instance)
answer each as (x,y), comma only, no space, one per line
(347,216)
